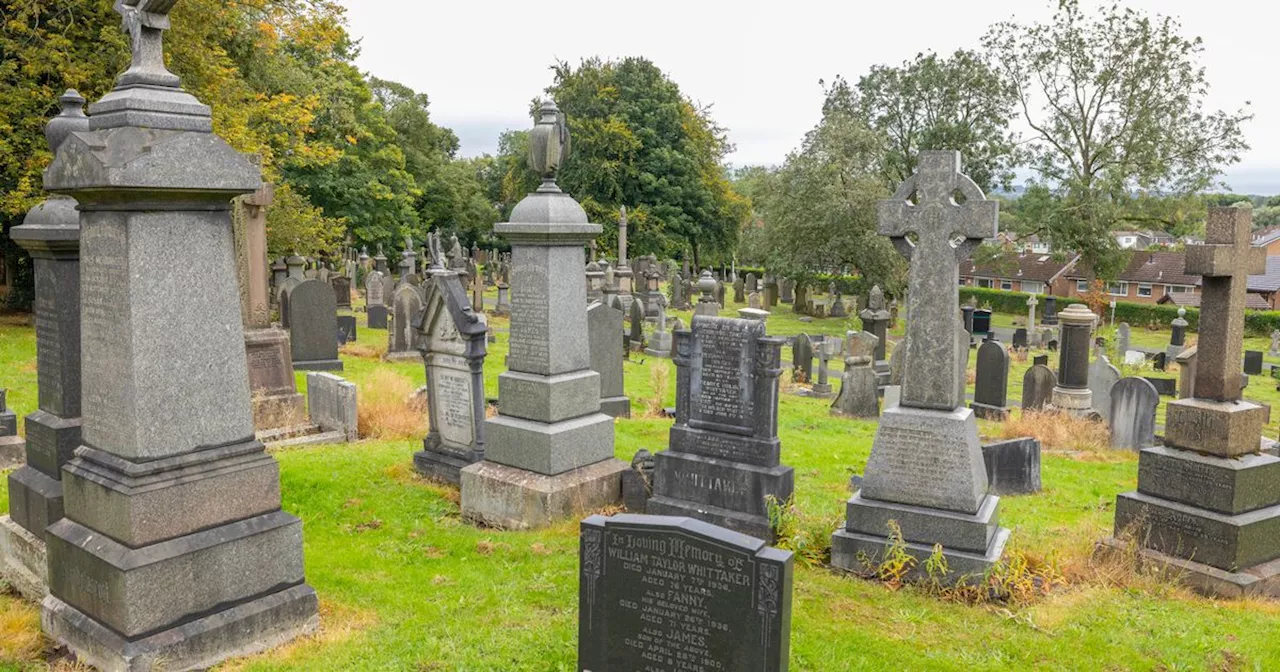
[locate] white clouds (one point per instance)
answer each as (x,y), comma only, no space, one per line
(757,62)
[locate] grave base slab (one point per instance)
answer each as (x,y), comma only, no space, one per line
(971,533)
(849,549)
(616,407)
(319,365)
(1259,581)
(1228,542)
(507,497)
(23,561)
(440,465)
(243,630)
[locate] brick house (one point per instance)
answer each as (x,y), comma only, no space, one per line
(1023,272)
(1149,277)
(1268,238)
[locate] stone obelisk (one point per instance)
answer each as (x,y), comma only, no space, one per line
(174,552)
(550,449)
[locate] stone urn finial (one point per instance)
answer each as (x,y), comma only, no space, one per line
(70,120)
(549,144)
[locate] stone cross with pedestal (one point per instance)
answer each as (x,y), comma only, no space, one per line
(174,551)
(550,450)
(926,469)
(1208,501)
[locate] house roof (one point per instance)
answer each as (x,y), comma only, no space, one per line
(1268,282)
(1192,300)
(1033,267)
(1166,268)
(1267,236)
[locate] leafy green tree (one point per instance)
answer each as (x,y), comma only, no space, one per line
(931,102)
(1119,134)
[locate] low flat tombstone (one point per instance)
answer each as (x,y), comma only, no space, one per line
(375,289)
(670,594)
(1165,387)
(1102,376)
(333,405)
(452,337)
(1253,362)
(313,326)
(402,338)
(1037,388)
(802,359)
(858,396)
(724,459)
(1013,467)
(604,323)
(991,389)
(1133,414)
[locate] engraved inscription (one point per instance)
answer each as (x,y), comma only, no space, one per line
(530,340)
(451,393)
(104,275)
(722,372)
(903,457)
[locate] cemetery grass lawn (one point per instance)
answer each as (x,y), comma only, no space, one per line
(405,584)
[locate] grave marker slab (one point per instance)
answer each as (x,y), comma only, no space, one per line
(313,326)
(1133,414)
(1013,466)
(1253,362)
(402,335)
(858,396)
(604,323)
(991,388)
(1037,388)
(1102,377)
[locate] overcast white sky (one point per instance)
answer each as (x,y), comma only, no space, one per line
(758,63)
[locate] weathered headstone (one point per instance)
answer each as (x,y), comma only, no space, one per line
(752,283)
(1013,467)
(1050,311)
(174,551)
(376,300)
(802,359)
(549,451)
(1133,414)
(1032,302)
(787,290)
(604,323)
(50,233)
(661,342)
(402,336)
(1102,376)
(1019,339)
(826,349)
(341,291)
(1187,371)
(668,594)
(1072,394)
(926,470)
(12,447)
(636,334)
(1037,388)
(452,338)
(1122,339)
(1178,336)
(333,405)
(875,320)
(707,301)
(313,326)
(347,332)
(739,291)
(991,388)
(858,396)
(1275,340)
(1166,387)
(1253,362)
(1208,501)
(724,459)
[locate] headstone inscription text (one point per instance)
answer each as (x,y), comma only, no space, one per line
(529,340)
(721,375)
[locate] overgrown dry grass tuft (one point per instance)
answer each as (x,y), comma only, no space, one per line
(388,408)
(20,639)
(660,381)
(364,350)
(338,624)
(1058,431)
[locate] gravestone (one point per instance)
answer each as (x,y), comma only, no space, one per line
(1253,362)
(313,326)
(660,344)
(875,320)
(549,451)
(341,291)
(346,329)
(838,308)
(402,336)
(1166,387)
(724,458)
(636,335)
(826,349)
(1019,339)
(1122,339)
(376,299)
(174,551)
(1032,302)
(981,321)
(1102,376)
(1013,467)
(787,291)
(858,396)
(739,291)
(12,447)
(1187,371)
(503,305)
(1208,500)
(800,304)
(752,283)
(1275,342)
(625,275)
(50,233)
(1160,361)
(668,594)
(926,470)
(1072,394)
(604,323)
(333,405)
(1178,335)
(707,301)
(991,388)
(755,302)
(1050,311)
(1037,388)
(636,482)
(802,359)
(1133,414)
(452,337)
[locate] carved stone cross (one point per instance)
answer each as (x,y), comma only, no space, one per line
(145,22)
(1226,261)
(948,216)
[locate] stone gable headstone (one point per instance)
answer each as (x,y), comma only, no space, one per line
(1133,414)
(724,458)
(666,594)
(1037,388)
(313,326)
(452,338)
(402,336)
(991,388)
(1102,377)
(926,469)
(604,324)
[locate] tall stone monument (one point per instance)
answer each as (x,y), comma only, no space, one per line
(1208,501)
(550,449)
(1072,394)
(452,338)
(725,456)
(926,469)
(625,276)
(174,551)
(51,235)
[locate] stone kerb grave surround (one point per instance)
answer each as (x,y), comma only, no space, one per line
(1208,501)
(453,341)
(51,235)
(724,459)
(549,452)
(174,551)
(926,469)
(670,593)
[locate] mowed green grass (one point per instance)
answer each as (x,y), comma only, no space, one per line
(405,584)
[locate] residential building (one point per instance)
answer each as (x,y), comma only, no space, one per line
(1149,277)
(1030,273)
